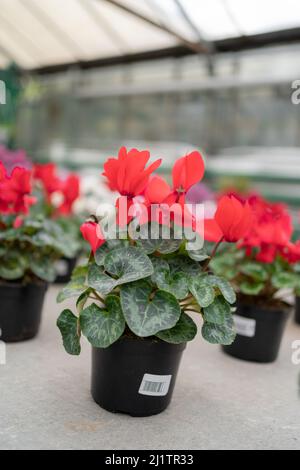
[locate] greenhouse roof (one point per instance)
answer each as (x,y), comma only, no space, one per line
(37,34)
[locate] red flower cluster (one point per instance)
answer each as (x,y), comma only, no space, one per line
(68,189)
(127,175)
(15,191)
(271,232)
(136,184)
(232,221)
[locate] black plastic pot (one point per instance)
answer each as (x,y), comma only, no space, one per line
(20,310)
(297,310)
(64,268)
(259,333)
(135,376)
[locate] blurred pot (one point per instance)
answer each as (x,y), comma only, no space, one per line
(21,309)
(259,332)
(297,309)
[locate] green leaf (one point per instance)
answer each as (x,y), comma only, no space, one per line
(82,299)
(128,265)
(97,279)
(13,266)
(43,267)
(102,327)
(254,270)
(176,284)
(217,311)
(285,280)
(145,313)
(106,248)
(251,288)
(219,334)
(164,243)
(76,286)
(198,255)
(201,290)
(225,264)
(184,330)
(224,286)
(183,264)
(68,326)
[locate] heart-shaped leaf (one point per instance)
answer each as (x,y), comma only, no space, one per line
(217,311)
(183,264)
(128,264)
(97,279)
(198,255)
(255,270)
(146,313)
(102,327)
(224,286)
(13,266)
(201,290)
(176,284)
(285,280)
(106,248)
(121,265)
(68,326)
(184,330)
(219,334)
(251,288)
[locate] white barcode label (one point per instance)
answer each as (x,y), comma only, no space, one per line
(61,267)
(155,385)
(244,326)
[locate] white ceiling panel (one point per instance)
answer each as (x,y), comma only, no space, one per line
(35,33)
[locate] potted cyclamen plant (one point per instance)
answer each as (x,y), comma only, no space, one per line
(261,269)
(56,200)
(29,246)
(135,293)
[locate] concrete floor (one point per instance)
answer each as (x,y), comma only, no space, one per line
(219,402)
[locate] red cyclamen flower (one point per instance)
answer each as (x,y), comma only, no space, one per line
(15,191)
(271,230)
(186,172)
(70,189)
(92,233)
(127,173)
(232,221)
(46,174)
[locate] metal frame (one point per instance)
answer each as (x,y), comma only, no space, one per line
(199,48)
(286,36)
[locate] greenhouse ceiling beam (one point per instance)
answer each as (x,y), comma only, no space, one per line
(209,45)
(195,47)
(239,44)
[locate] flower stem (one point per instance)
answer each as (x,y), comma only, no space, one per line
(213,253)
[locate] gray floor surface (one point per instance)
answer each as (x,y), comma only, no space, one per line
(219,402)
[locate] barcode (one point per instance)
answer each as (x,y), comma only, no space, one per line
(244,326)
(155,385)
